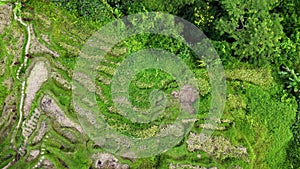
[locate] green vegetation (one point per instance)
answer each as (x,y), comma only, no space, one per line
(257,41)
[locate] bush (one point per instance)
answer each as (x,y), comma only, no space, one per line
(277,117)
(99,11)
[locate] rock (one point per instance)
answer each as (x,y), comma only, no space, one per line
(33,154)
(108,161)
(62,81)
(216,146)
(30,125)
(212,127)
(53,110)
(5,17)
(37,47)
(9,82)
(188,94)
(41,133)
(47,164)
(69,135)
(46,38)
(38,75)
(9,105)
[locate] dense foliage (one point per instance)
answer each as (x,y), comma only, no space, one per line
(251,34)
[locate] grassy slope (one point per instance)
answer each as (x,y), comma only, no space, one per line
(261,117)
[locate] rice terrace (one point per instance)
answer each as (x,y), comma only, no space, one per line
(150,84)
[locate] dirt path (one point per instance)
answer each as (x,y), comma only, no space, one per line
(23,65)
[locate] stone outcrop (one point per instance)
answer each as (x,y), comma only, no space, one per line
(41,132)
(107,161)
(38,75)
(53,110)
(5,17)
(216,146)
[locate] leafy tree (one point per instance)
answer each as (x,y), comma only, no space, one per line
(259,32)
(289,53)
(128,7)
(170,6)
(289,10)
(253,32)
(99,11)
(204,14)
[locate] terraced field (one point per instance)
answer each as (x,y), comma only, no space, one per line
(39,126)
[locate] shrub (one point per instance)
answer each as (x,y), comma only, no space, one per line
(277,116)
